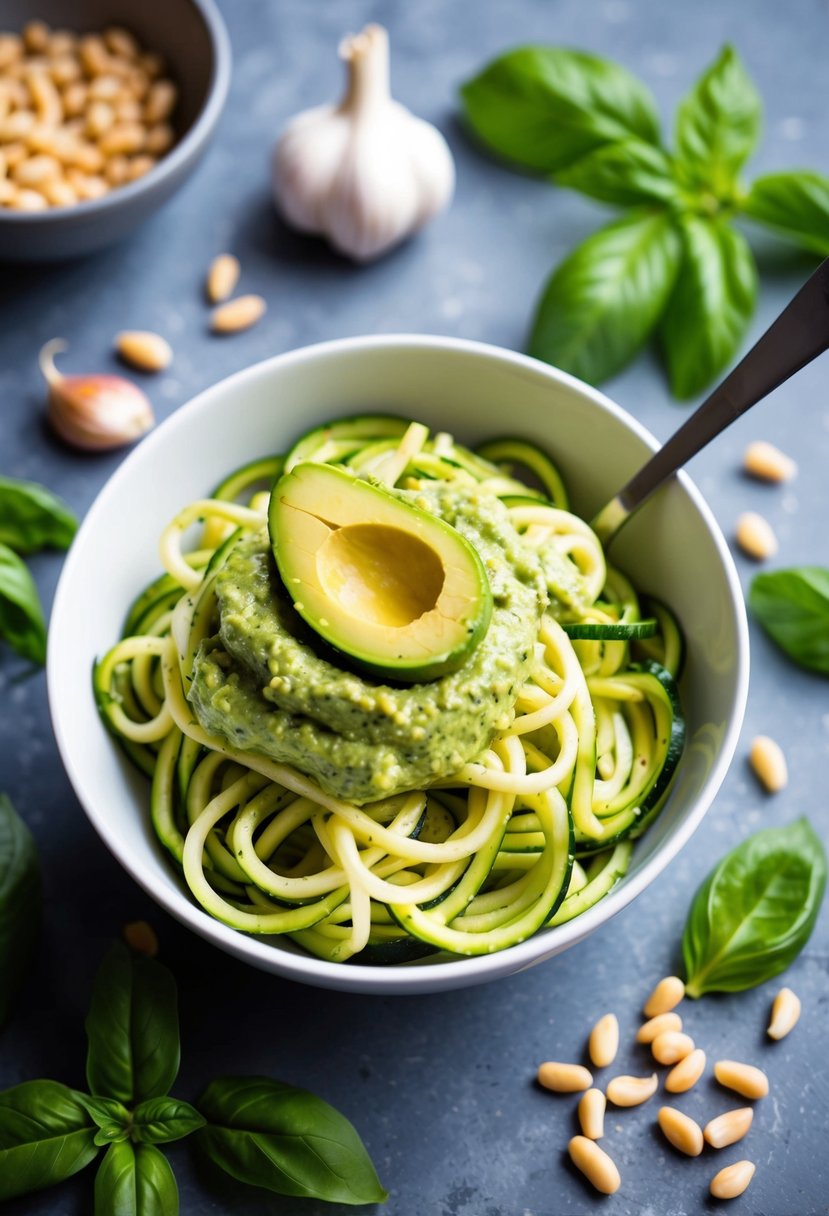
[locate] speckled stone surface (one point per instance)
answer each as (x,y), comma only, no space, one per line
(441,1087)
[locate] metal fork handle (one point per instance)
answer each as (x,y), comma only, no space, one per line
(798,336)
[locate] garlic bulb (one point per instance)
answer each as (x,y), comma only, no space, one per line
(93,412)
(365,173)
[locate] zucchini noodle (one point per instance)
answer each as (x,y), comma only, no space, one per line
(528,832)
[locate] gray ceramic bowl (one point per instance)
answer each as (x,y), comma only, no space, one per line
(191,36)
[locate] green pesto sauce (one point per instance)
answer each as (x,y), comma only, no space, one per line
(265,682)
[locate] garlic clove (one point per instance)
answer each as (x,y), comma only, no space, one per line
(365,173)
(93,412)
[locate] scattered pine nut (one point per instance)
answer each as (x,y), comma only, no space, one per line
(631,1091)
(755,536)
(784,1014)
(147,351)
(666,996)
(599,1169)
(604,1041)
(769,764)
(592,1106)
(222,277)
(564,1078)
(744,1079)
(767,463)
(684,1075)
(733,1180)
(671,1047)
(681,1130)
(237,314)
(663,1023)
(141,938)
(729,1128)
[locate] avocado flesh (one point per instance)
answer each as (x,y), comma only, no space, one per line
(396,589)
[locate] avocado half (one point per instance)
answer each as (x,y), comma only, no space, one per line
(397,590)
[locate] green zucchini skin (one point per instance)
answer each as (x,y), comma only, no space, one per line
(520,451)
(631,821)
(621,632)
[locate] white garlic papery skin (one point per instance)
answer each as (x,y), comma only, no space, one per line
(366,173)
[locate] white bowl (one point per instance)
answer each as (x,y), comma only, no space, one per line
(672,548)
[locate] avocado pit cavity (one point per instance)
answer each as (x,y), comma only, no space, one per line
(380,574)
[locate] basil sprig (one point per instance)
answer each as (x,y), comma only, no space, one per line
(793,608)
(31,518)
(259,1131)
(678,269)
(755,911)
(20,903)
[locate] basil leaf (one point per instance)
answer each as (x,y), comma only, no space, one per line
(45,1136)
(718,124)
(21,616)
(132,1028)
(32,517)
(20,903)
(795,204)
(135,1181)
(159,1120)
(711,306)
(111,1117)
(286,1140)
(793,608)
(625,174)
(755,911)
(545,107)
(604,300)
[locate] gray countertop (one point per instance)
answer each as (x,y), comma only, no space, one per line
(441,1087)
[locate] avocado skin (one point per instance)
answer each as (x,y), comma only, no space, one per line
(315,504)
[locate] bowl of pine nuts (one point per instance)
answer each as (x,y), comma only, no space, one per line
(105,108)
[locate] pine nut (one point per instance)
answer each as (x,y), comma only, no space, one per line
(784,1014)
(237,314)
(123,138)
(564,1078)
(36,171)
(733,1180)
(592,1105)
(604,1041)
(755,536)
(769,763)
(90,185)
(8,191)
(14,154)
(59,193)
(666,996)
(744,1079)
(684,1075)
(105,88)
(74,99)
(631,1091)
(729,1128)
(16,126)
(222,277)
(681,1130)
(121,42)
(64,70)
(116,170)
(151,63)
(127,109)
(11,49)
(139,165)
(28,200)
(767,463)
(94,55)
(671,1047)
(141,938)
(599,1169)
(160,103)
(86,157)
(36,36)
(661,1024)
(99,118)
(45,98)
(160,139)
(62,42)
(147,351)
